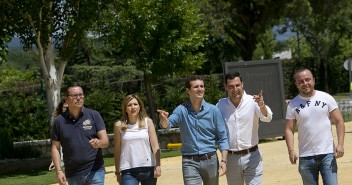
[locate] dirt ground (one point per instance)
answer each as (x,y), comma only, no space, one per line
(277,167)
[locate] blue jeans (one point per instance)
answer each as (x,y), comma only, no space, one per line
(144,175)
(309,168)
(194,172)
(92,178)
(244,168)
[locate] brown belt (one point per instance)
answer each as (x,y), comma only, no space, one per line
(199,157)
(246,151)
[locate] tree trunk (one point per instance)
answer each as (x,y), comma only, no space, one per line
(150,99)
(326,83)
(52,78)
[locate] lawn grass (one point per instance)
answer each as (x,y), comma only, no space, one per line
(31,177)
(44,177)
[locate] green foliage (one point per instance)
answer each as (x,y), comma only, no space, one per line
(304,48)
(4,38)
(219,47)
(12,79)
(52,30)
(64,21)
(24,114)
(336,72)
(161,36)
(99,75)
(265,46)
(107,103)
(214,88)
(326,25)
(9,78)
(20,60)
(172,91)
(245,21)
(171,94)
(22,108)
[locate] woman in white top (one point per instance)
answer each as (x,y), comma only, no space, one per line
(137,152)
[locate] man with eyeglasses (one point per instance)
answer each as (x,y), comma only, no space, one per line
(82,134)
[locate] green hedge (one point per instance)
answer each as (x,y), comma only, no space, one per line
(24,112)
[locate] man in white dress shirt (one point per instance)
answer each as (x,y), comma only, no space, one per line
(241,113)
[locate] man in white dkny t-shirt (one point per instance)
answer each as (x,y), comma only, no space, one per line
(312,112)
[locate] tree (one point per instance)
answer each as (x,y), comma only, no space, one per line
(50,29)
(245,21)
(304,49)
(219,47)
(162,37)
(20,60)
(324,27)
(266,46)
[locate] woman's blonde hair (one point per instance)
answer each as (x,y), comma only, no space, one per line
(141,115)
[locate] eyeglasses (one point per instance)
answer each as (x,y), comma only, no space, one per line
(75,96)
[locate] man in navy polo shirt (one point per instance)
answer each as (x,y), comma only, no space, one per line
(81,133)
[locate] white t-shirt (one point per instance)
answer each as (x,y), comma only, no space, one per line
(242,122)
(135,148)
(313,123)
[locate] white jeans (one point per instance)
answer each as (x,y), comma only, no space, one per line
(244,168)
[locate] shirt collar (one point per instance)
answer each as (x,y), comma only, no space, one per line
(68,115)
(188,105)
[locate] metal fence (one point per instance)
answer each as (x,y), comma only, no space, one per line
(345,107)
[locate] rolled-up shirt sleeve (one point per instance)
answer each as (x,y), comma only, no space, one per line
(267,118)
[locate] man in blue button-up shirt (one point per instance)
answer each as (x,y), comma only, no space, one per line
(202,129)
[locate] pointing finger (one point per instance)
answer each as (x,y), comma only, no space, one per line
(260,93)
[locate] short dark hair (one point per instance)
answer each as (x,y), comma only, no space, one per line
(298,71)
(66,92)
(192,78)
(230,76)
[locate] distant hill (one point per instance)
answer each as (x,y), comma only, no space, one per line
(14,44)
